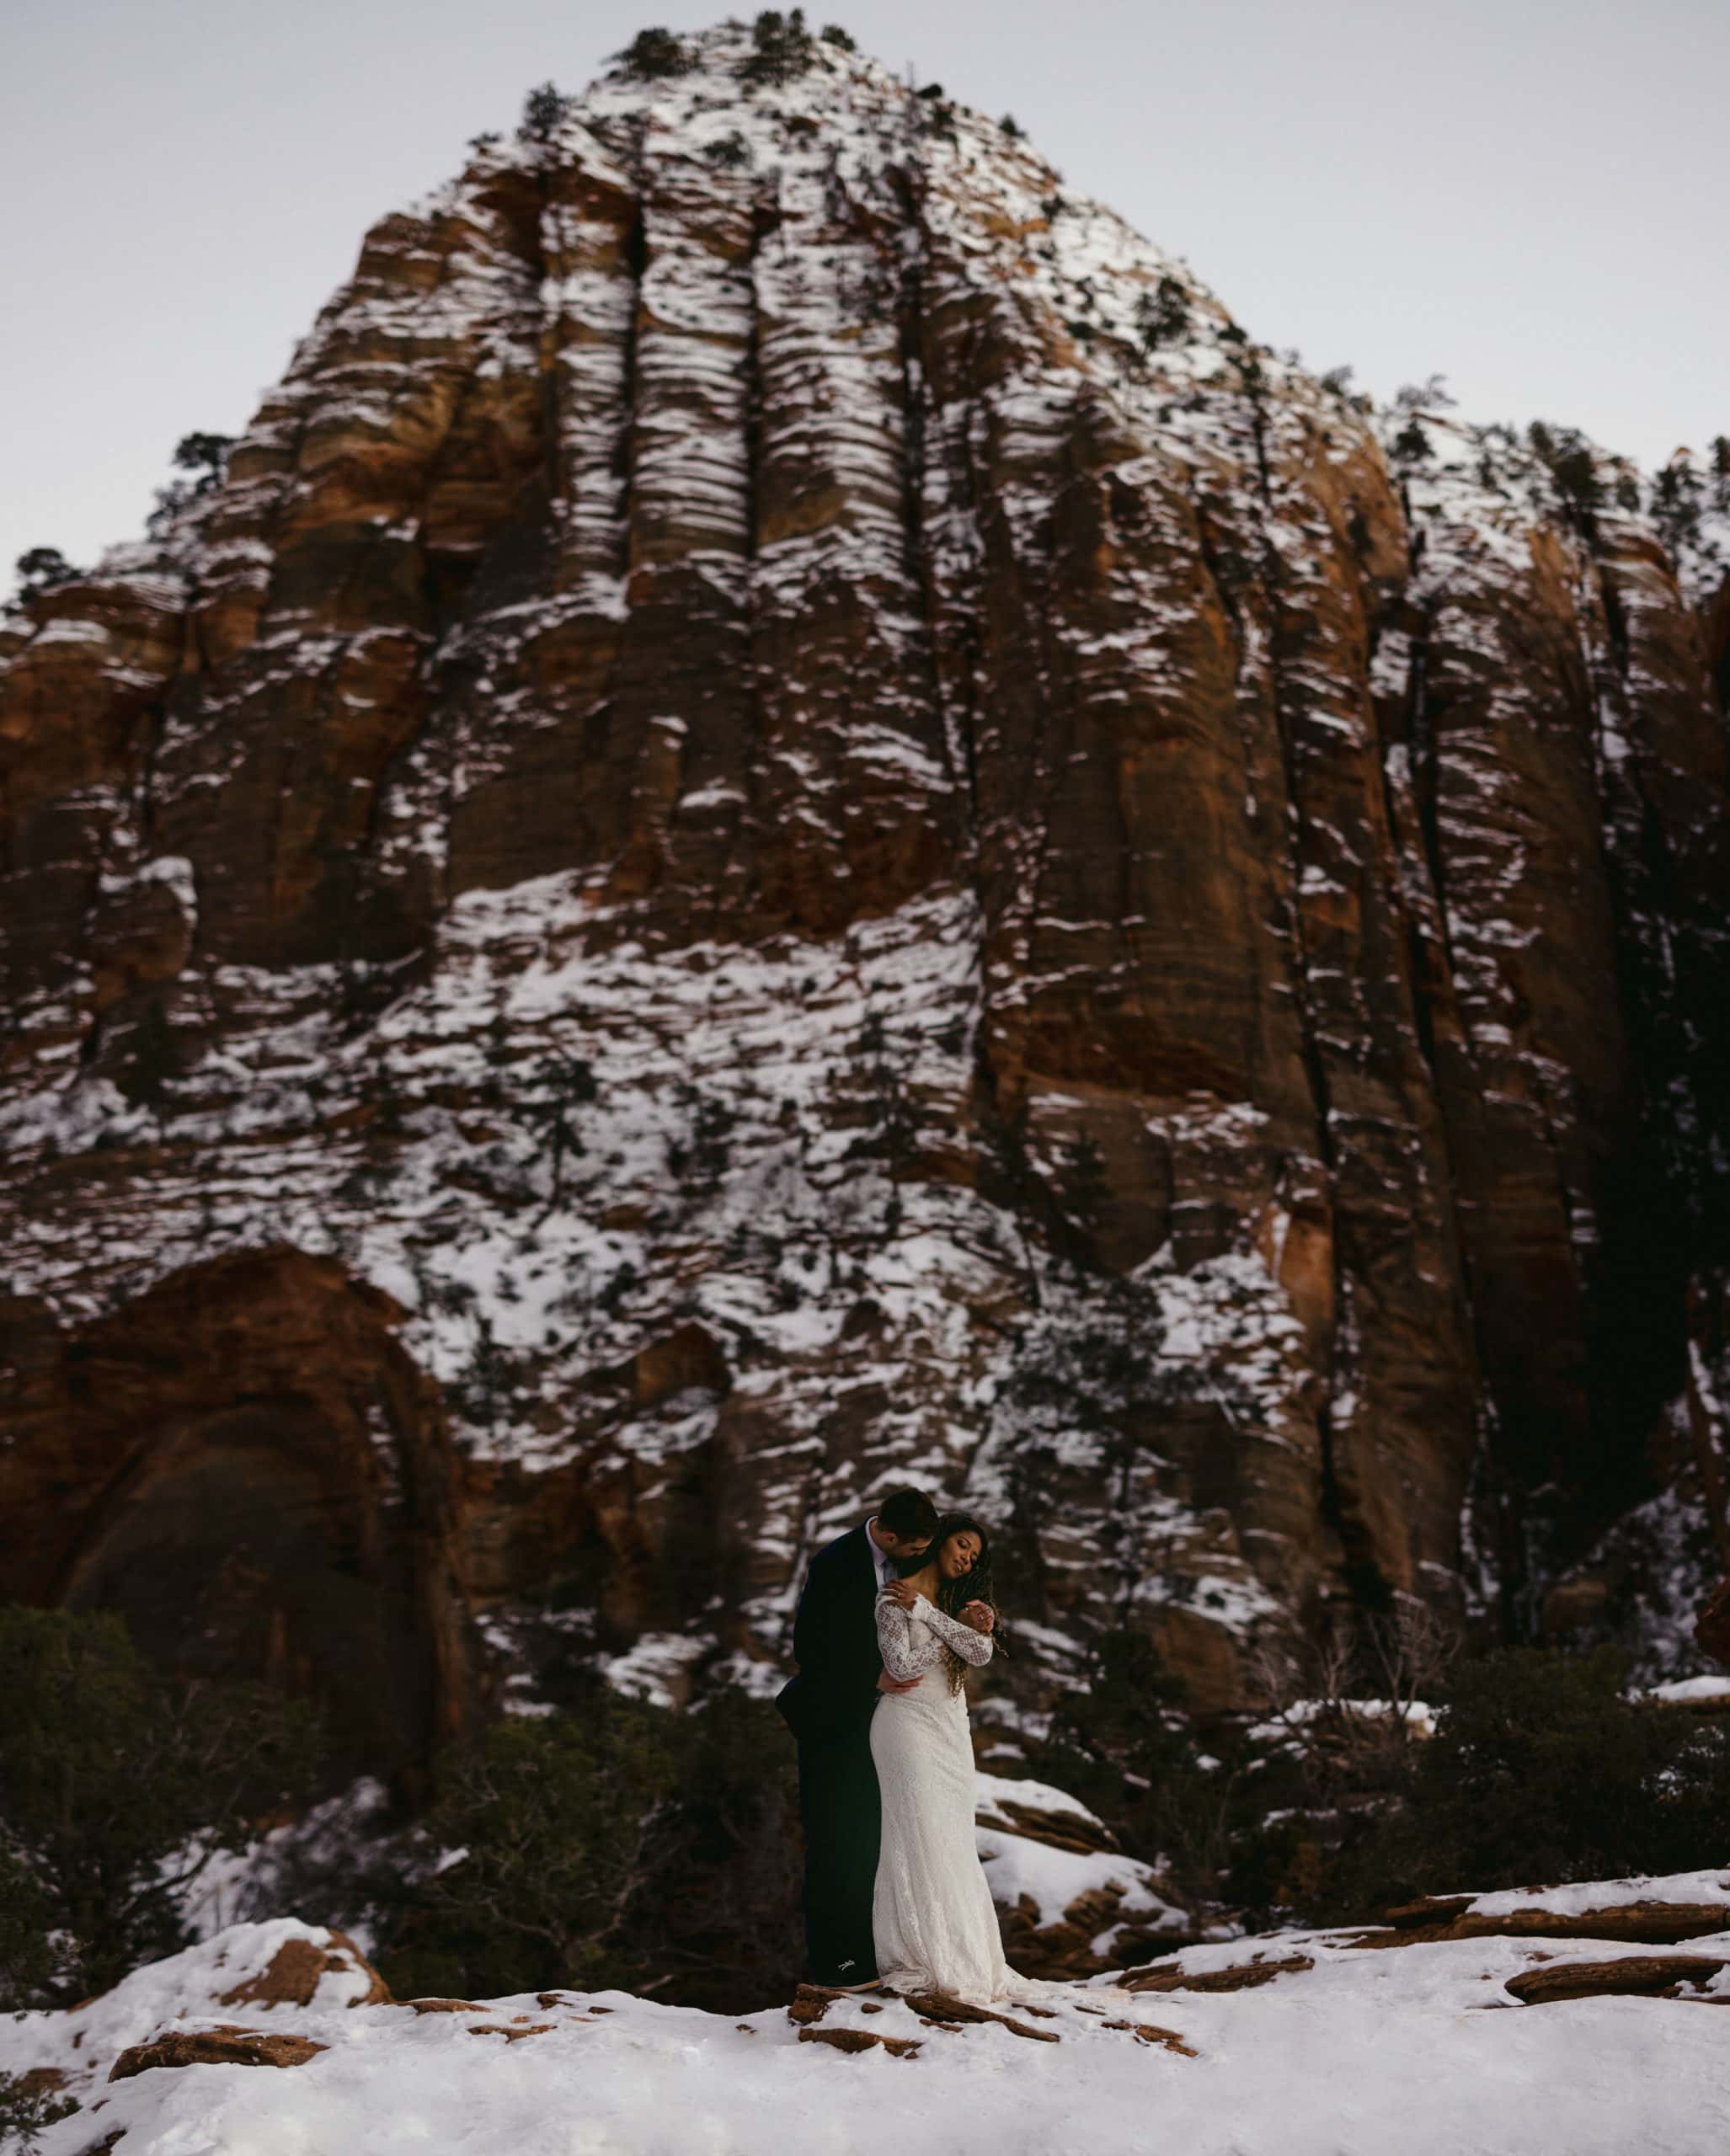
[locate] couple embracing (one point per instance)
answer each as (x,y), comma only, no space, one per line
(893,1615)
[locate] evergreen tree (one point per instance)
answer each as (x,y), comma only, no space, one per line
(1083,1191)
(892,1134)
(1163,313)
(545,109)
(781,47)
(655,55)
(1115,1742)
(151,1059)
(562,1084)
(1410,446)
(205,454)
(117,1787)
(1720,471)
(40,568)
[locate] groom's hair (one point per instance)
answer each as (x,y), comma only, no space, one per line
(909,1515)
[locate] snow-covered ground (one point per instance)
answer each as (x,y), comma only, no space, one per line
(1346,2051)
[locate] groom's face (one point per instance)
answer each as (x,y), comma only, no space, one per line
(902,1546)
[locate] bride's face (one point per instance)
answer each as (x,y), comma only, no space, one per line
(958,1555)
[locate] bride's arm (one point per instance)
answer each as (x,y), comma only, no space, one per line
(971,1645)
(895,1638)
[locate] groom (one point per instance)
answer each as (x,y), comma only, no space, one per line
(828,1707)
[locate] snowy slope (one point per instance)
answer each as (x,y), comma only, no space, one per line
(1343,2051)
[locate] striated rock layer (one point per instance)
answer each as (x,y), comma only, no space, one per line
(794,823)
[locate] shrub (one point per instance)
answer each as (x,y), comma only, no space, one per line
(654,55)
(25,2111)
(544,111)
(151,1059)
(1125,1745)
(603,1843)
(1113,1741)
(1162,314)
(1083,1192)
(1675,504)
(1410,446)
(781,47)
(1542,1771)
(563,1085)
(1568,455)
(551,1816)
(205,454)
(40,568)
(833,33)
(117,1786)
(722,1915)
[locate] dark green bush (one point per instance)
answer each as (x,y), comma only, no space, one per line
(205,454)
(40,568)
(552,1816)
(1542,1771)
(544,111)
(1125,1746)
(781,47)
(25,2112)
(116,1788)
(655,55)
(618,1844)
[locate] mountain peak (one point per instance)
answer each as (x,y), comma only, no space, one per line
(790,822)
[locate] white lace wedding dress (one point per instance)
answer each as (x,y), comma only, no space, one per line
(932,1918)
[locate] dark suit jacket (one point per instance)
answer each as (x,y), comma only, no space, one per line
(835,1643)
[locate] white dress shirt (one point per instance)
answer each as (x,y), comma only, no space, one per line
(880,1558)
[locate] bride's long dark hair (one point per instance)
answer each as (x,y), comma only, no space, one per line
(977,1585)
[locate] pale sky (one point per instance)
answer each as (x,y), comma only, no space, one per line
(1527,196)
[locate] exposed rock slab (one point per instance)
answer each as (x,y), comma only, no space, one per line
(1633,1976)
(226,2046)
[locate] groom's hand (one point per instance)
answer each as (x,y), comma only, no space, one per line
(902,1593)
(980,1614)
(885,1682)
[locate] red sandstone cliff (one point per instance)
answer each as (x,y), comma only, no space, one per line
(792,822)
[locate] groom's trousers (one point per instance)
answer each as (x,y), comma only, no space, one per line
(842,1817)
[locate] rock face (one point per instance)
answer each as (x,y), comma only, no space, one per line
(794,823)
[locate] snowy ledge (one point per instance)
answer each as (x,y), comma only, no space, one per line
(1299,2043)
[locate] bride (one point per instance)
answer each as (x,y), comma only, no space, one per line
(933,1922)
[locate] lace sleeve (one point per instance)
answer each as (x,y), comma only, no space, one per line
(894,1636)
(971,1645)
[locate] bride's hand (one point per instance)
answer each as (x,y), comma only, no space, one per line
(902,1593)
(980,1614)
